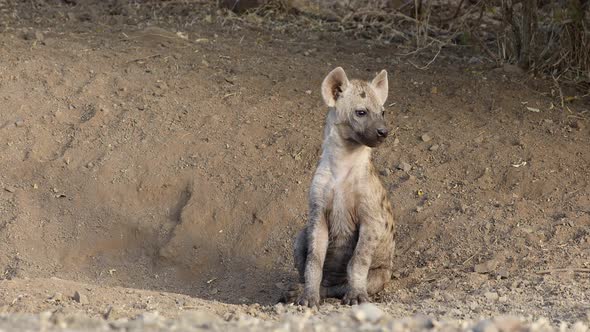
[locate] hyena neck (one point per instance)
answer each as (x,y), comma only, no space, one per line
(344,158)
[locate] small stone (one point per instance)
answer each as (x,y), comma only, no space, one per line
(45,316)
(420,323)
(486,267)
(385,172)
(580,327)
(200,318)
(404,166)
(512,69)
(80,298)
(121,324)
(367,312)
(434,90)
(548,121)
(463,207)
(214,291)
(434,147)
(10,189)
(492,296)
(426,138)
(19,123)
(395,141)
(150,318)
(308,92)
(509,323)
(485,326)
(34,35)
(279,308)
(503,273)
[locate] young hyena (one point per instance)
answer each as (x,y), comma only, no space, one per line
(346,248)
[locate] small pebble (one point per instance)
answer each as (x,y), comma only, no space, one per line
(485,326)
(492,296)
(404,166)
(80,298)
(367,312)
(426,138)
(34,35)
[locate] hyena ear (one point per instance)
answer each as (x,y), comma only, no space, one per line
(333,86)
(381,86)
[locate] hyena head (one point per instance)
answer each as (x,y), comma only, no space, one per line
(358,106)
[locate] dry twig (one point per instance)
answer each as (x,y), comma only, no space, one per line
(549,271)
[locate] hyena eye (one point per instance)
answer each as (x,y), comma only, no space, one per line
(361,112)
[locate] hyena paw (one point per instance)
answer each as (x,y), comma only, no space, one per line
(354,296)
(291,294)
(308,299)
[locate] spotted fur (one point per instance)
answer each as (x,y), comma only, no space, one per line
(346,248)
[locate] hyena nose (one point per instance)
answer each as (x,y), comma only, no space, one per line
(382,132)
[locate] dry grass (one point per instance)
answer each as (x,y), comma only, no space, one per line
(551,39)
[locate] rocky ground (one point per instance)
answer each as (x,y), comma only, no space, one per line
(156,158)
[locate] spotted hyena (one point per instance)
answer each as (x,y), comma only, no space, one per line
(346,249)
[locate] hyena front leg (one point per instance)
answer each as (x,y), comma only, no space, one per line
(358,267)
(317,246)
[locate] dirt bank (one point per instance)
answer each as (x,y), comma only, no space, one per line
(140,151)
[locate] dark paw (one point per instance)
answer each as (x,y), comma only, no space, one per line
(353,297)
(291,294)
(309,300)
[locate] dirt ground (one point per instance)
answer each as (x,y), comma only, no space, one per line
(158,159)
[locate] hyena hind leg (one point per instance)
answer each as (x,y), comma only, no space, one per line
(291,294)
(376,281)
(300,254)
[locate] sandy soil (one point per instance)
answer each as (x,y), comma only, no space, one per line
(158,159)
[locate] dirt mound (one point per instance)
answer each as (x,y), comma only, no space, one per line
(177,158)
